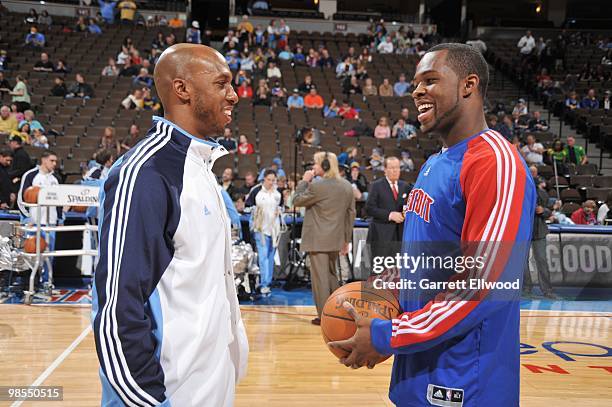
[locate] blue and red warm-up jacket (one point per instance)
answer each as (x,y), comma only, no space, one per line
(452,349)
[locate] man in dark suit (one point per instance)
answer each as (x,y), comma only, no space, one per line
(21,162)
(384,206)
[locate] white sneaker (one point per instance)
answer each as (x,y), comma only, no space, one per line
(265,290)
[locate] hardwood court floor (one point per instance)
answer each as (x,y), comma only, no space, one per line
(289,365)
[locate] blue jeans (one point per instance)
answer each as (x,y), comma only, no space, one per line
(265,253)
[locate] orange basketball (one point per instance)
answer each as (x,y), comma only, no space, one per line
(30,245)
(31,195)
(337,324)
(78,208)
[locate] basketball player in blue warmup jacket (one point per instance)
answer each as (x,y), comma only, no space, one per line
(456,349)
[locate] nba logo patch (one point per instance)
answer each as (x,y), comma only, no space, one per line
(444,396)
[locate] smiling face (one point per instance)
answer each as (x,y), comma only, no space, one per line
(437,93)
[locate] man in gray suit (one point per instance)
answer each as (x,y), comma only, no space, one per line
(328,223)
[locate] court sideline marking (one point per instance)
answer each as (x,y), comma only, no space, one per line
(58,361)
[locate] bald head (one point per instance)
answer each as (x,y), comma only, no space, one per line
(194,84)
(186,62)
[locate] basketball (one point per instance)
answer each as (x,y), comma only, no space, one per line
(78,208)
(30,244)
(336,323)
(31,194)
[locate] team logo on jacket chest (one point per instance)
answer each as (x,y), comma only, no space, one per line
(420,203)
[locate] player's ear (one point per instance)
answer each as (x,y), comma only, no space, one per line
(470,85)
(181,89)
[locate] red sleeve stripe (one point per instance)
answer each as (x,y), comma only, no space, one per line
(494,232)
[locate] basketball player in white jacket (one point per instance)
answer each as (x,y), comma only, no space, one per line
(166,319)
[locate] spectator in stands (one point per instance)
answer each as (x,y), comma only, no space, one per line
(39,140)
(575,154)
(401,87)
(107,9)
(273,71)
(123,56)
(130,139)
(250,180)
(572,102)
(385,88)
(7,198)
(325,60)
(556,154)
(605,211)
(382,130)
(244,147)
(273,34)
(262,95)
(520,108)
(358,181)
(279,95)
(135,57)
(526,44)
(8,122)
(345,68)
(605,103)
(227,182)
(346,111)
(35,125)
(20,94)
(108,142)
(298,56)
(532,151)
(386,46)
(110,69)
(245,24)
(276,165)
(61,67)
(193,34)
(313,100)
(44,19)
(559,217)
(23,132)
(81,25)
(34,39)
(586,214)
(295,101)
(21,161)
(370,89)
(351,86)
(143,79)
(406,163)
(403,130)
(128,11)
(43,65)
(283,32)
(313,58)
(244,90)
(590,101)
(377,160)
(228,141)
(93,27)
(175,22)
(349,156)
(4,60)
(306,85)
(286,54)
(506,127)
(150,102)
(159,42)
(80,88)
(330,111)
(537,123)
(31,17)
(128,69)
(5,86)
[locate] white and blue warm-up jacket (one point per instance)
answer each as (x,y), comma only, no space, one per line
(167,324)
